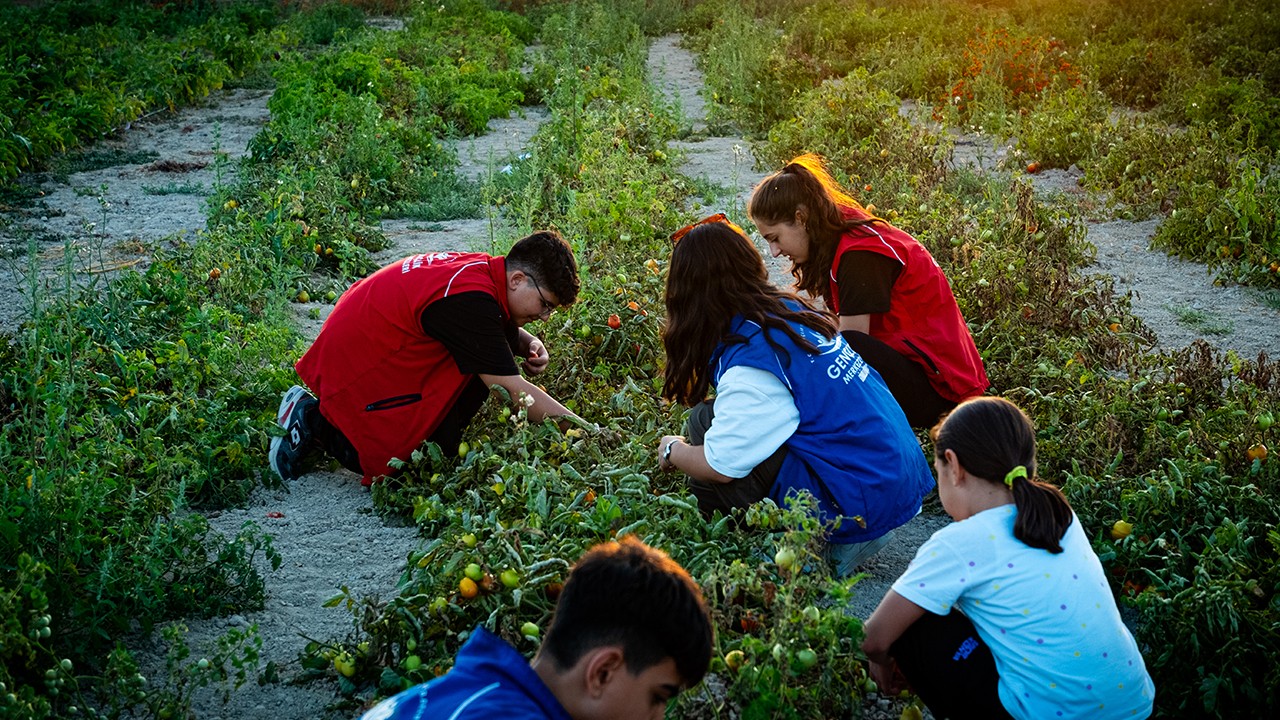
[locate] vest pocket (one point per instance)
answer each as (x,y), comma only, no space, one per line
(923,355)
(393,402)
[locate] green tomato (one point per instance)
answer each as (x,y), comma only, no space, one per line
(474,571)
(413,662)
(785,558)
(510,578)
(1264,420)
(806,658)
(345,664)
(530,630)
(469,540)
(811,614)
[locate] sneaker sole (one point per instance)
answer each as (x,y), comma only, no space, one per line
(291,398)
(272,455)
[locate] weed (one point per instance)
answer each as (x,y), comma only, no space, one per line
(1201,321)
(175,188)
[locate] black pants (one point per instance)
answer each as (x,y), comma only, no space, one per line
(447,434)
(907,380)
(949,667)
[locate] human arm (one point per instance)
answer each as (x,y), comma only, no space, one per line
(544,406)
(471,326)
(887,623)
(865,285)
(860,323)
(690,459)
(754,414)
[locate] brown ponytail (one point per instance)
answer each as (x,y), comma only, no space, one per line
(991,437)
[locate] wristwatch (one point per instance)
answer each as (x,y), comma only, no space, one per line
(666,452)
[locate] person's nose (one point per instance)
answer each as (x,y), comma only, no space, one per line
(774,249)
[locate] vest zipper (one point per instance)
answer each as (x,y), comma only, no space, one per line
(393,402)
(923,355)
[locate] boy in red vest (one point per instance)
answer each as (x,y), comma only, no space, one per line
(409,354)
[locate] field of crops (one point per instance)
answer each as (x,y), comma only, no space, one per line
(135,405)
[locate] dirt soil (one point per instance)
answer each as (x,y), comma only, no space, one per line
(327,531)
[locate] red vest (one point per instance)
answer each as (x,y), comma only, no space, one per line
(381,380)
(924,323)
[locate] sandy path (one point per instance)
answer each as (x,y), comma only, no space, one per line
(109,218)
(1176,299)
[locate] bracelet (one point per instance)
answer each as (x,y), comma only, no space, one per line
(666,452)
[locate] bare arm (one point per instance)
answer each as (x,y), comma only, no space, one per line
(544,405)
(891,618)
(690,459)
(861,323)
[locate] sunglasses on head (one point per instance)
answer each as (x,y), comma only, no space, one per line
(678,235)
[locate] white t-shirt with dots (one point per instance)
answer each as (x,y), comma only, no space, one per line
(1050,619)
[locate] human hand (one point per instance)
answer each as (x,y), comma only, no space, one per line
(536,358)
(664,457)
(888,677)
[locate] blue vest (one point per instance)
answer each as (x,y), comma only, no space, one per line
(853,450)
(489,679)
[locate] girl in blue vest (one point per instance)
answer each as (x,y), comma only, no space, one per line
(796,409)
(1007,611)
(893,304)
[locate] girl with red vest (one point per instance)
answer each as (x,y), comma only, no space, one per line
(895,307)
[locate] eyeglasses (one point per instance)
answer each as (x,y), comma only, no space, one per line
(678,235)
(547,308)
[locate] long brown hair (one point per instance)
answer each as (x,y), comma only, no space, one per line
(990,437)
(716,274)
(804,185)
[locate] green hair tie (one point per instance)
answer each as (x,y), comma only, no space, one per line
(1018,472)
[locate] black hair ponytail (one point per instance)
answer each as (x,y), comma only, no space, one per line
(994,440)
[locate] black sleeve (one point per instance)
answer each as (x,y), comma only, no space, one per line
(865,281)
(471,327)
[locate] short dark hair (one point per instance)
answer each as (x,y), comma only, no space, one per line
(629,594)
(549,259)
(990,437)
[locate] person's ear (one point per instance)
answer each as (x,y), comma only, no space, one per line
(515,278)
(958,473)
(602,668)
(802,216)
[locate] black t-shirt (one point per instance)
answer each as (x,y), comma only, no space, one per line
(865,281)
(471,327)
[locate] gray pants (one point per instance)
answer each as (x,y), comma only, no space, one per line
(740,493)
(745,491)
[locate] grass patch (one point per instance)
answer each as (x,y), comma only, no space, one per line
(176,188)
(99,158)
(1202,321)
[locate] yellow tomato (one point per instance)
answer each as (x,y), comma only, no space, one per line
(1121,530)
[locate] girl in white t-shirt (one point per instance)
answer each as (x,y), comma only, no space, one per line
(1006,612)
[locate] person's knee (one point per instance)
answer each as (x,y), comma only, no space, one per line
(699,421)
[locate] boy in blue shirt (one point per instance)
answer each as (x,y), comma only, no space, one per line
(631,631)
